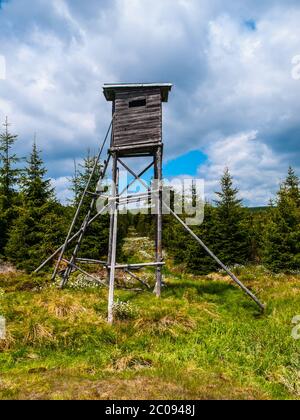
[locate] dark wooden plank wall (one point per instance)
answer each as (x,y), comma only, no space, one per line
(141,125)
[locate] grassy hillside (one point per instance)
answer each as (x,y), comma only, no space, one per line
(203,339)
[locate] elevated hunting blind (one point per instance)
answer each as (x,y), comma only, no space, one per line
(137,111)
(136,131)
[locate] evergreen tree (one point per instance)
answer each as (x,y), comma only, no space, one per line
(36,189)
(184,249)
(282,233)
(290,187)
(255,224)
(39,227)
(197,259)
(231,235)
(8,179)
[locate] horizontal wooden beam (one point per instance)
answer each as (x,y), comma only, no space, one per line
(120,266)
(91,261)
(133,266)
(135,146)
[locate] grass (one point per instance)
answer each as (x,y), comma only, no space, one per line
(203,339)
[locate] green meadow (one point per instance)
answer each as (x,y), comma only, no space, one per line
(204,339)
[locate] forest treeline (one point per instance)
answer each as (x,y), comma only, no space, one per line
(33,223)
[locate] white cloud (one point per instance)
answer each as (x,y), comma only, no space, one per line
(255,168)
(62,188)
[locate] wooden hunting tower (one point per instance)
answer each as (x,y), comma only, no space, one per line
(136,131)
(137,111)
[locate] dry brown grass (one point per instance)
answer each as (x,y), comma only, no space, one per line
(63,307)
(38,334)
(289,378)
(171,324)
(8,342)
(43,384)
(6,268)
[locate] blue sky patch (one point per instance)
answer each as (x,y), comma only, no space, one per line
(2,1)
(251,24)
(187,164)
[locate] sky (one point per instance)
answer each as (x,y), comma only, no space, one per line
(236,96)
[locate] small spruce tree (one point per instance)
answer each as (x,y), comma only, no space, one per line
(36,189)
(197,259)
(39,227)
(231,235)
(282,234)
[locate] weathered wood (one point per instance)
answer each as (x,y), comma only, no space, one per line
(112,207)
(126,138)
(137,136)
(159,256)
(139,196)
(123,108)
(144,147)
(138,122)
(136,129)
(134,276)
(137,125)
(120,266)
(84,272)
(141,265)
(134,113)
(137,93)
(113,242)
(111,90)
(91,261)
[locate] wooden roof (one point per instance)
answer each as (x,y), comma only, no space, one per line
(109,89)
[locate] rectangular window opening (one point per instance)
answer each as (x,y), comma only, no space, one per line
(137,103)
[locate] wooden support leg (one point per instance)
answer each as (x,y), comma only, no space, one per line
(76,249)
(158,241)
(113,243)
